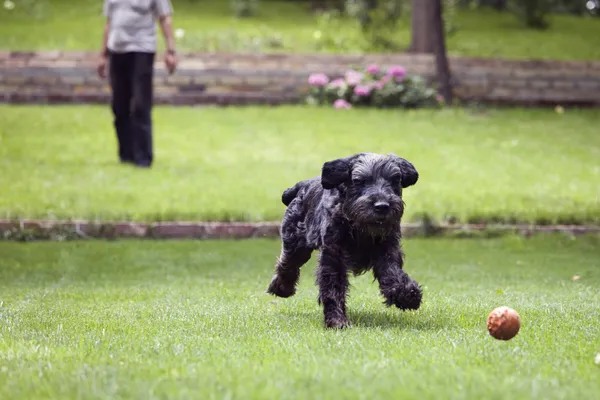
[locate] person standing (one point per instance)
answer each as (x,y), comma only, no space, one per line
(128,50)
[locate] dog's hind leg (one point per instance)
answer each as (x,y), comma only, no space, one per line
(287,270)
(294,253)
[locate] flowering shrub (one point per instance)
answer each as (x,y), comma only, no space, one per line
(372,87)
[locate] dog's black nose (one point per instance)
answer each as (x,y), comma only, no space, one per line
(381,206)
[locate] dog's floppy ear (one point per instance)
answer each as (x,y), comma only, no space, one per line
(410,176)
(335,172)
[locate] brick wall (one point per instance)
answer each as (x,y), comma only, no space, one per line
(221,78)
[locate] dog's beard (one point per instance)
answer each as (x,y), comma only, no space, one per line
(363,217)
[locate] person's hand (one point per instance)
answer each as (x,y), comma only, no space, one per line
(101,67)
(171,62)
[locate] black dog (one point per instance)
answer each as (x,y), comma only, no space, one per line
(351,214)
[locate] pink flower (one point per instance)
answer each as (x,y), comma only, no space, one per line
(362,90)
(318,80)
(340,104)
(353,77)
(379,85)
(373,69)
(385,79)
(439,98)
(396,71)
(336,83)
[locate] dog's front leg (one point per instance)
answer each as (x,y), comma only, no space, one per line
(395,285)
(332,279)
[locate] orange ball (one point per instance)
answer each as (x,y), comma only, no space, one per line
(503,323)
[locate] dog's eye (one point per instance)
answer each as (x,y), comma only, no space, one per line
(357,181)
(395,180)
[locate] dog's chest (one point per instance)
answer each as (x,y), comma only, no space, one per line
(361,254)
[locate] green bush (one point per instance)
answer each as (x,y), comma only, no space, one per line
(377,20)
(533,13)
(327,35)
(377,23)
(244,8)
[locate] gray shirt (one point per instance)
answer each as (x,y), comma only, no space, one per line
(133,24)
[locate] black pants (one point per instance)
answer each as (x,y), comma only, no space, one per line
(131,77)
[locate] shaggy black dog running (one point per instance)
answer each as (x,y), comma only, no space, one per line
(351,214)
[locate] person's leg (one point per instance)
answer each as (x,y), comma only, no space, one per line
(142,108)
(121,74)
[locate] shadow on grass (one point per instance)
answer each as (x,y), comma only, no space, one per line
(396,319)
(408,320)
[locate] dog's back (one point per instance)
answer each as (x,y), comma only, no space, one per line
(290,194)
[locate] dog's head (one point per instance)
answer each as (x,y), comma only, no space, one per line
(371,187)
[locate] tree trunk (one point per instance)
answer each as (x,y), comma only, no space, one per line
(422,24)
(439,45)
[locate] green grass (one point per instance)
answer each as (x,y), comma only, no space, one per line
(234,163)
(149,320)
(288,26)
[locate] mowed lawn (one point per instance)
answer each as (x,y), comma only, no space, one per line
(234,163)
(209,25)
(149,320)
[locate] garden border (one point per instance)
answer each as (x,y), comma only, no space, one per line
(24,230)
(55,77)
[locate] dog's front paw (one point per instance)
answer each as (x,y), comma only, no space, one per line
(279,287)
(407,297)
(337,322)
